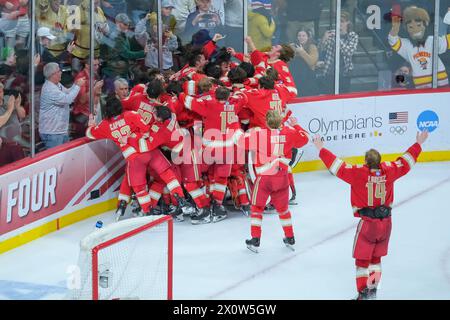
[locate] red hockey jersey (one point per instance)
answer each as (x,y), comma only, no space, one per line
(260,101)
(145,106)
(221,123)
(127,125)
(167,135)
(261,62)
(273,147)
(371,188)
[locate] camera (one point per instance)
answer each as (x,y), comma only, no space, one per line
(400,78)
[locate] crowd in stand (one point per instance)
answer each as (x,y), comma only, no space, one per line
(127,45)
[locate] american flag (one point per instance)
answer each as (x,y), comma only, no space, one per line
(398,117)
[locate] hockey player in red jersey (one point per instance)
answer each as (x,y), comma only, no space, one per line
(144,103)
(193,70)
(117,127)
(166,133)
(130,125)
(272,146)
(277,58)
(260,101)
(372,195)
(221,131)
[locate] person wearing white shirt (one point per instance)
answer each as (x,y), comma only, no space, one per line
(55,106)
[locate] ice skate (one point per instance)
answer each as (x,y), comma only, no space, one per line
(120,212)
(155,211)
(372,295)
(289,242)
(292,201)
(363,295)
(269,208)
(218,213)
(186,207)
(201,217)
(252,244)
(245,209)
(176,213)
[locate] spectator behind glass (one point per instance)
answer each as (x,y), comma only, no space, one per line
(54,109)
(302,13)
(44,41)
(54,16)
(10,119)
(121,56)
(349,43)
(304,64)
(81,107)
(402,78)
(169,21)
(184,7)
(14,23)
(121,88)
(261,26)
(204,17)
(111,8)
(146,32)
(82,33)
(9,151)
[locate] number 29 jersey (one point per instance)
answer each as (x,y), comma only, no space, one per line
(371,188)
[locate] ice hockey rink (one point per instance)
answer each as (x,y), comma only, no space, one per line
(212,262)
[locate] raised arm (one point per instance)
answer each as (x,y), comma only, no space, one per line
(335,165)
(405,163)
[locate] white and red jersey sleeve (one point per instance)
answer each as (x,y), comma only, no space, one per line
(119,129)
(165,134)
(138,89)
(371,188)
(283,72)
(272,148)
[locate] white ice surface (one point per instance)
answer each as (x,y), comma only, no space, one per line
(212,262)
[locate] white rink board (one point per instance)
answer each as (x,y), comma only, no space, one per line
(352,126)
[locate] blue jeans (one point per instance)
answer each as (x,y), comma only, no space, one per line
(54,140)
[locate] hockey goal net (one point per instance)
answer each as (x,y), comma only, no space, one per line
(130,259)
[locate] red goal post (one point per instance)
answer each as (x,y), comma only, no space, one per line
(130,259)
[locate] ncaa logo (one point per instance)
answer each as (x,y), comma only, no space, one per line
(428,120)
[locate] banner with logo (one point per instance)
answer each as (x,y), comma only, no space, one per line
(52,189)
(389,124)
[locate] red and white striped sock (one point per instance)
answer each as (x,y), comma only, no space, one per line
(143,197)
(219,189)
(286,223)
(256,218)
(196,192)
(172,183)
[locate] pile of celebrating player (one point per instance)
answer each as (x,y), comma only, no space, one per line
(189,138)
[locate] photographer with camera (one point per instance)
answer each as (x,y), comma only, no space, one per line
(348,44)
(203,18)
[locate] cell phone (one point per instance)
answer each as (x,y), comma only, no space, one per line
(207,16)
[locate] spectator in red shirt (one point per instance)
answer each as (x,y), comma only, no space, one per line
(81,111)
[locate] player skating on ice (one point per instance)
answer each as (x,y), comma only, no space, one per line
(372,194)
(273,151)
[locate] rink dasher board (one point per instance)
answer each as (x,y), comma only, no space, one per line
(388,123)
(57,191)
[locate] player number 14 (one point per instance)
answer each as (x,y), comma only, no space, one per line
(380,192)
